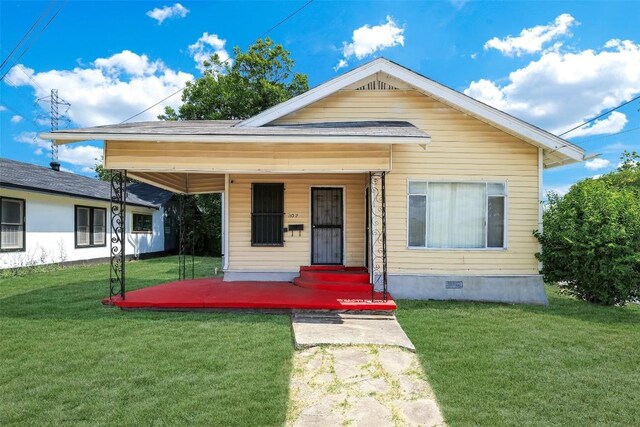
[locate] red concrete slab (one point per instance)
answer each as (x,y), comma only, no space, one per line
(214,293)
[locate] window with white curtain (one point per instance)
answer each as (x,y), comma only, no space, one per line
(90,226)
(456,215)
(12,230)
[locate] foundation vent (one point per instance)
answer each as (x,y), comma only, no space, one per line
(453,284)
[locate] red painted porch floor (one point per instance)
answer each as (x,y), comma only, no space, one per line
(214,293)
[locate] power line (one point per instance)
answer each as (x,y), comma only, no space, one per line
(21,68)
(599,116)
(291,15)
(35,39)
(612,134)
(29,31)
(591,120)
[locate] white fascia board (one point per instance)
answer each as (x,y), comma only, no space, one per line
(495,117)
(133,170)
(65,138)
(535,135)
(313,95)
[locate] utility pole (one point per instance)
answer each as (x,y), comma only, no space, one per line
(55,102)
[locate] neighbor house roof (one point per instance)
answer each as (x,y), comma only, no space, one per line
(25,176)
(216,131)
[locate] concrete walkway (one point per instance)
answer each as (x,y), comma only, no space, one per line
(312,329)
(360,386)
(357,370)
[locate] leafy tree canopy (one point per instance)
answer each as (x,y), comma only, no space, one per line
(256,80)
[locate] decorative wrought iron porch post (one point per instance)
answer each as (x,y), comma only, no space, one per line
(379,231)
(118,231)
(182,243)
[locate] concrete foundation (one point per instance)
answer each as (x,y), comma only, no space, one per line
(520,289)
(261,276)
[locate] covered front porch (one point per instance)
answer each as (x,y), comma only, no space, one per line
(293,195)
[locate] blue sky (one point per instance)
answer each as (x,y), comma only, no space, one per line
(554,64)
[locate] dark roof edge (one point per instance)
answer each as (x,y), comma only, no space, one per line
(64,193)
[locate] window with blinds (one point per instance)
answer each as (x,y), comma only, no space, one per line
(90,226)
(12,224)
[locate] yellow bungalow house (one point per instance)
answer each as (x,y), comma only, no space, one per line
(435,193)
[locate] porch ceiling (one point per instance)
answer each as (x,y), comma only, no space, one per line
(185,183)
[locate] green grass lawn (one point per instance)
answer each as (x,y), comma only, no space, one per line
(568,364)
(66,359)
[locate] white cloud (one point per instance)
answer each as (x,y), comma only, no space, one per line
(16,119)
(206,46)
(368,40)
(175,11)
(341,64)
(3,108)
(613,123)
(531,40)
(561,90)
(597,164)
(128,62)
(561,190)
(79,155)
(109,90)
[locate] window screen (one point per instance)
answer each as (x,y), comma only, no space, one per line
(142,223)
(267,214)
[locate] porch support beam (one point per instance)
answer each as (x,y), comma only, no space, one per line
(118,214)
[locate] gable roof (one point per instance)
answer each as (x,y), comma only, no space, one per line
(29,177)
(557,150)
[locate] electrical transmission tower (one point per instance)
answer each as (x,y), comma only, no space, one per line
(57,104)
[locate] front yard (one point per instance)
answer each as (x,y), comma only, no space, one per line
(66,359)
(568,364)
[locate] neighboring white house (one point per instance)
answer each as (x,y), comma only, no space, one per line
(52,216)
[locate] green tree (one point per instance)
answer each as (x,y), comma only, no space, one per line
(257,79)
(105,174)
(591,238)
(254,81)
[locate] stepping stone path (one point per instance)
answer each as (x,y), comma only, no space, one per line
(360,385)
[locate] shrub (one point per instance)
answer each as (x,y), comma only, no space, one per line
(591,242)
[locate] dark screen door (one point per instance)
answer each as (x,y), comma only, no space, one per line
(327,226)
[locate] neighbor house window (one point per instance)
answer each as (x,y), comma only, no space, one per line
(12,229)
(267,214)
(456,215)
(90,226)
(142,223)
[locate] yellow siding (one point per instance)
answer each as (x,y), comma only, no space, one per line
(462,148)
(191,156)
(297,199)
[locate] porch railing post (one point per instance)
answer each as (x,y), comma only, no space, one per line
(379,232)
(118,214)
